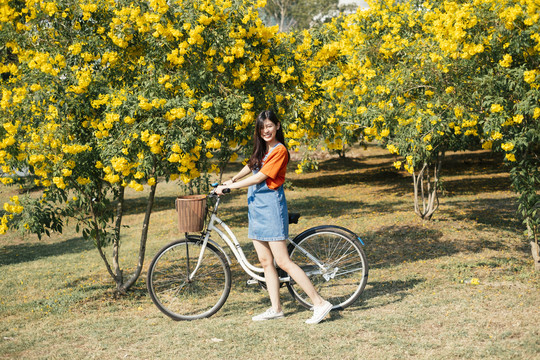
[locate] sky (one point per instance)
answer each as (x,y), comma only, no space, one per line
(362,3)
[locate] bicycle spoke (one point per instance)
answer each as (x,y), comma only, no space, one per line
(179,297)
(342,279)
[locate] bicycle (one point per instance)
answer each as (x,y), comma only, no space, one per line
(190,278)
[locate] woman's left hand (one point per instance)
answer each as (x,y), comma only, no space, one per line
(219,190)
(227,183)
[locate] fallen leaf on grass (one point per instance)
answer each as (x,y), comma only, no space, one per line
(216,340)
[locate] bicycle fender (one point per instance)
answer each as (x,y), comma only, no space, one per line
(329,227)
(215,244)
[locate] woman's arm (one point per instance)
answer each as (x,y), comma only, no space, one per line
(241,174)
(252,180)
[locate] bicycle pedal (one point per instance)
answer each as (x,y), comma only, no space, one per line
(252,282)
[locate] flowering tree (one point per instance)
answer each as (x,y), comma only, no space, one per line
(509,100)
(98,97)
(101,96)
(422,79)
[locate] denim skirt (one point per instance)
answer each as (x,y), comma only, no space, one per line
(267,213)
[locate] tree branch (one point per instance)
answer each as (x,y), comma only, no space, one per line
(144,235)
(116,240)
(98,240)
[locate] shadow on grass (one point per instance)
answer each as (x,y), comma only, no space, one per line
(353,171)
(392,245)
(471,186)
(20,253)
(391,291)
(397,289)
(474,163)
(317,206)
(497,213)
(138,205)
(354,164)
(135,206)
(398,183)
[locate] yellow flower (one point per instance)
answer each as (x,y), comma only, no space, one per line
(129,120)
(59,182)
(135,185)
(174,158)
(409,159)
(360,110)
(83,181)
(510,157)
(151,181)
(506,61)
(495,108)
(507,146)
(529,76)
(392,148)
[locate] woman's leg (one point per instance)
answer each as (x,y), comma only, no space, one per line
(280,253)
(270,273)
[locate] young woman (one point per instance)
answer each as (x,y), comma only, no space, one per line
(268,216)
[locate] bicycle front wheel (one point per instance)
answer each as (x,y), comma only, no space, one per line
(182,298)
(343,273)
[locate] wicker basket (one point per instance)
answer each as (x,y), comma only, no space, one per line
(191,211)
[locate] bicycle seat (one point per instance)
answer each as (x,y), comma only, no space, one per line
(293,218)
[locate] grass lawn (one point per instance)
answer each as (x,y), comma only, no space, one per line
(56,300)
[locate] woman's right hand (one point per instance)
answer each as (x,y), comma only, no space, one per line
(219,190)
(228,183)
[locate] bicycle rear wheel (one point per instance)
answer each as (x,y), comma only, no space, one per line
(344,274)
(177,296)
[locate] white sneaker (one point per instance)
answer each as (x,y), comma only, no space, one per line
(269,314)
(319,313)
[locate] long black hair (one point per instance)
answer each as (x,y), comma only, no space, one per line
(259,145)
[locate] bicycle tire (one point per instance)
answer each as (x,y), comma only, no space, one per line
(179,298)
(344,260)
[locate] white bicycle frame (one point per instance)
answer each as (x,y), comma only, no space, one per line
(232,242)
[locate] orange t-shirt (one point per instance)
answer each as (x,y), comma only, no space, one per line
(275,167)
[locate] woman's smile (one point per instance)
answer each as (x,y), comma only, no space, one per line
(268,131)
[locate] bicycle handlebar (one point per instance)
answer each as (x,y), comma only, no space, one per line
(214,185)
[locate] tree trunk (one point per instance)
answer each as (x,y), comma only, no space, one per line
(97,234)
(425,189)
(113,267)
(535,249)
(119,277)
(142,245)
